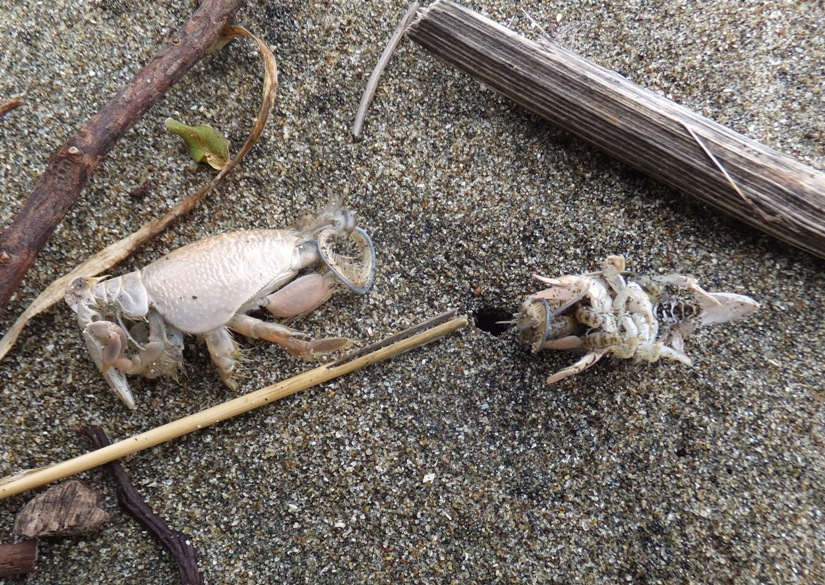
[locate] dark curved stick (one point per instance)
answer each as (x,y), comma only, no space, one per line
(70,168)
(178,543)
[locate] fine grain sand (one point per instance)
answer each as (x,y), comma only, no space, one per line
(454,463)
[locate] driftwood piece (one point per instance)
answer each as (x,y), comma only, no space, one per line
(18,558)
(67,509)
(739,176)
(178,543)
(70,168)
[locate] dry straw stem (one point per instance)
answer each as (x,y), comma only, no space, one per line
(372,84)
(115,253)
(743,178)
(393,346)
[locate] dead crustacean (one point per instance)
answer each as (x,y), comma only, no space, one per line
(623,314)
(134,324)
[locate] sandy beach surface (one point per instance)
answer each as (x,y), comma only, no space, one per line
(454,463)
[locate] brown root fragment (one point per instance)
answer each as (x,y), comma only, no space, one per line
(18,558)
(9,105)
(178,543)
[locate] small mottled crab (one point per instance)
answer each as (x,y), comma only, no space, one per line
(623,314)
(134,324)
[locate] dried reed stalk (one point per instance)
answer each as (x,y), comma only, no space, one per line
(739,176)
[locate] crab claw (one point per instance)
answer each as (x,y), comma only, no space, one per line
(539,326)
(106,342)
(354,267)
(117,382)
(724,307)
(533,322)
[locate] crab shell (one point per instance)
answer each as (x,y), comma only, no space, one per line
(207,287)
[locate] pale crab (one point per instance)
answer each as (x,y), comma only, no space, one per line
(623,314)
(134,324)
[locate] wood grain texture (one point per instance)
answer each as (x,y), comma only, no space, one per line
(18,558)
(67,509)
(739,176)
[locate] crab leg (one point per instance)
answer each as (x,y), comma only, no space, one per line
(286,337)
(581,365)
(105,341)
(224,353)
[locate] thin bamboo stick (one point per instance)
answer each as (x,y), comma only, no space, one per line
(739,176)
(391,347)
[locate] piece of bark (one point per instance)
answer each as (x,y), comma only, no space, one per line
(70,168)
(177,542)
(18,558)
(739,176)
(67,509)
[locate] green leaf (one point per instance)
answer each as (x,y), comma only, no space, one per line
(205,144)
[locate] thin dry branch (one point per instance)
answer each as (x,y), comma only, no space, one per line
(739,176)
(372,84)
(72,165)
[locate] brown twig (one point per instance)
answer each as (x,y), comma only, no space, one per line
(178,543)
(18,558)
(9,105)
(70,168)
